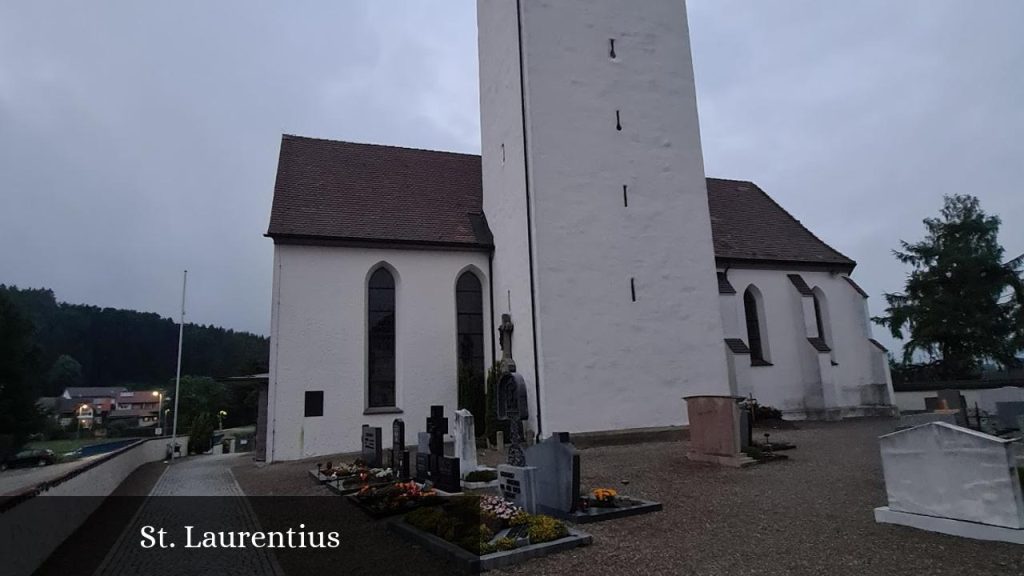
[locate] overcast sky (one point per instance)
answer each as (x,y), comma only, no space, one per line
(140,138)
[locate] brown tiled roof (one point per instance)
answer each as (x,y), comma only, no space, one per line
(94,391)
(340,191)
(749,226)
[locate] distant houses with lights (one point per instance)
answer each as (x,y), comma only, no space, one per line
(89,408)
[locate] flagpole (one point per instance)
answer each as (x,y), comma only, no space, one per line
(177,377)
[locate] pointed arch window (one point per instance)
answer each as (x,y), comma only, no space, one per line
(821,321)
(469,305)
(381,339)
(754,315)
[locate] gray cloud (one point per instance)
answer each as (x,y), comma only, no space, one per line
(138,139)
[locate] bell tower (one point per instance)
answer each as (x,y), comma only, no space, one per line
(594,189)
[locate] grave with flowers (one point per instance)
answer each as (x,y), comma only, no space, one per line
(347,477)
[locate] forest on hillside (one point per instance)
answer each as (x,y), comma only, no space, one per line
(82,345)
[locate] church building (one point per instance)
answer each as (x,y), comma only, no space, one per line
(632,280)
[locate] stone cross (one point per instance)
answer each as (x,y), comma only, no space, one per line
(437,427)
(513,405)
(505,330)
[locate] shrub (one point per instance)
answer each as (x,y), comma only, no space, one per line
(546,529)
(472,395)
(481,476)
(504,544)
(426,519)
(766,413)
(519,519)
(117,428)
(200,433)
(491,423)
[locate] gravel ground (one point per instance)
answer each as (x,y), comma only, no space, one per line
(811,514)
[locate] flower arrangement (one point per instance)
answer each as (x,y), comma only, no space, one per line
(478,524)
(604,496)
(501,509)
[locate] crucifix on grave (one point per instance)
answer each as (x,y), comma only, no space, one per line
(513,402)
(443,470)
(505,330)
(437,427)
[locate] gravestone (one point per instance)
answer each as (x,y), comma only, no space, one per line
(437,427)
(558,474)
(399,455)
(955,401)
(372,446)
(987,398)
(422,467)
(1009,413)
(911,420)
(439,467)
(423,442)
(448,477)
(715,431)
(465,440)
(965,478)
(518,485)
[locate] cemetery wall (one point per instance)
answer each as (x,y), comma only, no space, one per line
(318,341)
(915,401)
(34,527)
(626,293)
(504,179)
(793,382)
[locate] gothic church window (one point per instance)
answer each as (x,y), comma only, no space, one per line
(380,363)
(470,320)
(755,329)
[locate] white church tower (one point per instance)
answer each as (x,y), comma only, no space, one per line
(594,189)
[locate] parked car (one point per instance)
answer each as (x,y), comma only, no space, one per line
(30,457)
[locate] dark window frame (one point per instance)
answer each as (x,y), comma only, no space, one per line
(313,404)
(752,319)
(469,322)
(381,365)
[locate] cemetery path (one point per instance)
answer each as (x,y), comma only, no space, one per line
(201,492)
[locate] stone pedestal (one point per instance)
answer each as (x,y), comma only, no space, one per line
(715,431)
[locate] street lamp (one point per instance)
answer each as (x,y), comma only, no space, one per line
(160,409)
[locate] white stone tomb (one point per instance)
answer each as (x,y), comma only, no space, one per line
(945,478)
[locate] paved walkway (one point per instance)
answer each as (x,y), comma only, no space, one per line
(199,491)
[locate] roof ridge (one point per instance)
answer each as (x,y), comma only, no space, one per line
(285,136)
(799,223)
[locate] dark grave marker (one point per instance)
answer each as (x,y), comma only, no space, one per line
(422,467)
(955,401)
(448,476)
(558,474)
(372,446)
(399,455)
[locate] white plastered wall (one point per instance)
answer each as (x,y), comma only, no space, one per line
(793,382)
(606,362)
(318,342)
